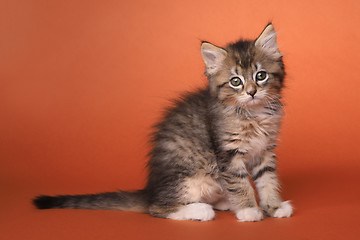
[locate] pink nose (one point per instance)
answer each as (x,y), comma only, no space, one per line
(252,92)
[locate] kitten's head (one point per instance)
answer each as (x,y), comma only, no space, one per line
(246,73)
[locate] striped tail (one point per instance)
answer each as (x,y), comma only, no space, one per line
(125,201)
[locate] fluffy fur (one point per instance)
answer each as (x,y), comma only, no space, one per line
(211,142)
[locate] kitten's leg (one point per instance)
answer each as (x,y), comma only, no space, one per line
(239,189)
(192,211)
(267,184)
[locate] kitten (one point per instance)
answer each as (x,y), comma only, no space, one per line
(211,142)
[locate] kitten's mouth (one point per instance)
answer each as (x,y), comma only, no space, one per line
(252,101)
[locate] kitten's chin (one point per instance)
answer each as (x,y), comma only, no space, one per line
(251,102)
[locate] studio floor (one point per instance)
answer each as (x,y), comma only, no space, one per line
(325,208)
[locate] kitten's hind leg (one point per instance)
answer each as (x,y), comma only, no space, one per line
(192,211)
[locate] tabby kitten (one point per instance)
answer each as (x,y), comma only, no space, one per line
(211,142)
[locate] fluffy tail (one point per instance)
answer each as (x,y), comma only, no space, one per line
(125,201)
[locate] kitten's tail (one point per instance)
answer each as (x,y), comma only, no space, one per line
(125,201)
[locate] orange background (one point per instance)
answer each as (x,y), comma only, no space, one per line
(81,83)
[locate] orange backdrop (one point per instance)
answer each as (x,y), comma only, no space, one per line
(81,83)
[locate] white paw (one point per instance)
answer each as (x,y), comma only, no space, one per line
(249,215)
(222,205)
(194,211)
(285,210)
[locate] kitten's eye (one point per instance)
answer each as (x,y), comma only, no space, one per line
(235,82)
(260,76)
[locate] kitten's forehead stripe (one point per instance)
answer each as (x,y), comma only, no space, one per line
(243,53)
(234,71)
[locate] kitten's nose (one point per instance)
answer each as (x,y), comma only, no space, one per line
(251,92)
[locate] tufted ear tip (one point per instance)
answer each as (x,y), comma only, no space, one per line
(267,40)
(269,26)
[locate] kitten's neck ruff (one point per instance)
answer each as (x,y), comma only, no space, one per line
(249,130)
(248,112)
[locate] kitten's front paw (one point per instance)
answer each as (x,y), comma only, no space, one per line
(249,215)
(285,210)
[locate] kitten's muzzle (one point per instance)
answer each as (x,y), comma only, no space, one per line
(251,90)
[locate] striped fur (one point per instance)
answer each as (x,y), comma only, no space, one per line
(212,142)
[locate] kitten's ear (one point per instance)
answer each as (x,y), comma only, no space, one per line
(267,41)
(213,57)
